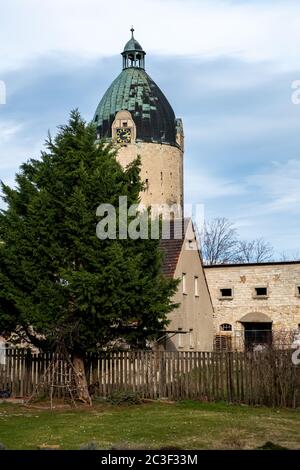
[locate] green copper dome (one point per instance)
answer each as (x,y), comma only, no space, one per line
(132,45)
(133,90)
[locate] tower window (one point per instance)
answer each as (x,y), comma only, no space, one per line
(124,124)
(260,292)
(96,118)
(226,293)
(298,290)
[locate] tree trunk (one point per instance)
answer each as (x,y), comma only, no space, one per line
(80,379)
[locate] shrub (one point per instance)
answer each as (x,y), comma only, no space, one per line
(124,398)
(271,446)
(89,446)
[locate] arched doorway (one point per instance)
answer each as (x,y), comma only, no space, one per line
(257,331)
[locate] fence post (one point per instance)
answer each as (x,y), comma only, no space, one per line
(27,386)
(162,375)
(229,376)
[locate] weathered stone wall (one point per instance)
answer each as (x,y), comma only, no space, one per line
(282,304)
(162,171)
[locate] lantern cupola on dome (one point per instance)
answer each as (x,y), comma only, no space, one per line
(133,54)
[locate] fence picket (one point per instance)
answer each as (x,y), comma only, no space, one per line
(268,378)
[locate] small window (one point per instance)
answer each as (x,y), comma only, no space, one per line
(196,286)
(147,184)
(226,293)
(223,343)
(124,124)
(298,291)
(225,327)
(96,118)
(191,245)
(184,283)
(260,292)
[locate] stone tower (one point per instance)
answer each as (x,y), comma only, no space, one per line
(137,116)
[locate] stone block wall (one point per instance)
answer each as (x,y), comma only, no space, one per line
(161,170)
(282,304)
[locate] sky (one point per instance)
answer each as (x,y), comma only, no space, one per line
(227,68)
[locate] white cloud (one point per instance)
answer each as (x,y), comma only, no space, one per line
(265,204)
(8,131)
(237,128)
(16,146)
(279,187)
(202,185)
(92,28)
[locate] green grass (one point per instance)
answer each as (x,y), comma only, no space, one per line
(186,425)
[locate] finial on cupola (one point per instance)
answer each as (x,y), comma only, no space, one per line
(133,53)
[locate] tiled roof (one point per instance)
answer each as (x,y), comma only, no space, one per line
(133,90)
(132,45)
(172,248)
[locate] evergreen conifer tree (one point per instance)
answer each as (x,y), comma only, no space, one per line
(58,281)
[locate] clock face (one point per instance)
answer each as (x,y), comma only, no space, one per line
(124,135)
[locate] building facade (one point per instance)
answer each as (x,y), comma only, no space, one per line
(137,118)
(255,304)
(191,324)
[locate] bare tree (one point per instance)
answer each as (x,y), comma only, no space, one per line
(291,256)
(220,244)
(219,241)
(254,251)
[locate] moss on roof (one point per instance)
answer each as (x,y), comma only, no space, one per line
(135,91)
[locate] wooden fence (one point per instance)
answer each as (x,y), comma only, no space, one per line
(266,378)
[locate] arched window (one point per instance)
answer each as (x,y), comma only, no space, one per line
(225,327)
